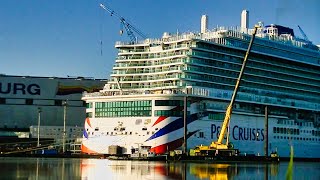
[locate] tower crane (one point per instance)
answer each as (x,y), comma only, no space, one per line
(130,29)
(303,34)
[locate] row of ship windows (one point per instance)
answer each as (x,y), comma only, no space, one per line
(123,129)
(136,113)
(296,138)
(286,130)
(227,73)
(217,83)
(284,46)
(294,123)
(294,131)
(252,78)
(169,103)
(135,104)
(117,109)
(282,53)
(121,104)
(141,113)
(146,49)
(122,133)
(297,93)
(259,61)
(152,55)
(291,85)
(260,48)
(303,95)
(176,113)
(153,63)
(143,70)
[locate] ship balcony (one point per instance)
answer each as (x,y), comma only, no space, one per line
(177,54)
(152,85)
(128,72)
(159,77)
(112,94)
(123,51)
(151,63)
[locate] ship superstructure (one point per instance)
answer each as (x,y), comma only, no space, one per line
(142,104)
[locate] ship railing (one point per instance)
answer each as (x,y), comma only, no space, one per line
(148,50)
(143,71)
(150,56)
(152,63)
(214,33)
(222,31)
(133,92)
(154,77)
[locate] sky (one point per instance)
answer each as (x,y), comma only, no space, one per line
(63,38)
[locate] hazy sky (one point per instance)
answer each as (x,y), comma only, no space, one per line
(62,37)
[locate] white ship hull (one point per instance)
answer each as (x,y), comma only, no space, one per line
(163,134)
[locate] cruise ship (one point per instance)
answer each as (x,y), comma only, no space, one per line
(143,103)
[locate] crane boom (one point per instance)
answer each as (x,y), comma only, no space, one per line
(235,92)
(216,146)
(130,29)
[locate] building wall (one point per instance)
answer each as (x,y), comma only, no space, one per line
(56,132)
(21,98)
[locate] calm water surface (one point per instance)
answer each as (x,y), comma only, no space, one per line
(94,169)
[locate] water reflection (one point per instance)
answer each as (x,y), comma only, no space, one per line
(39,168)
(94,169)
(213,171)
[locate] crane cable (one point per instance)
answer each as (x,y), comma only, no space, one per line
(101,33)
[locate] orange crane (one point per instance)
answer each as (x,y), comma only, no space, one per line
(218,145)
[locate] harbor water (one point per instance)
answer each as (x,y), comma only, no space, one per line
(94,169)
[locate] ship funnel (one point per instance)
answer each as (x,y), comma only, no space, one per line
(244,19)
(204,23)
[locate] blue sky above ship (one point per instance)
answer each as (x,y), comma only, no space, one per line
(61,38)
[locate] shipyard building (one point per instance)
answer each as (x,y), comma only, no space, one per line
(47,104)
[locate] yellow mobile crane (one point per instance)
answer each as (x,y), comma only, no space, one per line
(217,147)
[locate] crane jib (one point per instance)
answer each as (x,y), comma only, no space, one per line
(130,29)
